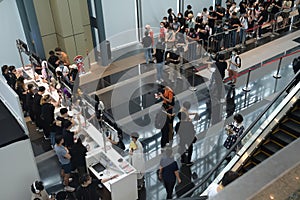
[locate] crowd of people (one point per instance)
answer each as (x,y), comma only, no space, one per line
(230,25)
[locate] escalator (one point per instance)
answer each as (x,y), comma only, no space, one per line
(274,129)
(287,130)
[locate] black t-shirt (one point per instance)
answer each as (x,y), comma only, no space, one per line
(169,166)
(59,129)
(47,113)
(37,103)
(78,153)
(52,60)
(174,57)
(89,192)
(222,11)
(264,15)
(68,138)
(222,66)
(159,55)
(235,21)
(211,22)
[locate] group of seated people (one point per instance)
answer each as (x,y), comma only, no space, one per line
(230,25)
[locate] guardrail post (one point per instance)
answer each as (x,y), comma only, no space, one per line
(277,75)
(247,88)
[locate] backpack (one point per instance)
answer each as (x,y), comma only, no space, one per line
(236,58)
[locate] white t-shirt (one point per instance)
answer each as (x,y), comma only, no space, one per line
(235,61)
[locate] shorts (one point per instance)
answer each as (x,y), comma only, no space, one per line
(67,168)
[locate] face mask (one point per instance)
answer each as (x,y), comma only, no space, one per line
(164,20)
(179,16)
(174,50)
(233,53)
(161,26)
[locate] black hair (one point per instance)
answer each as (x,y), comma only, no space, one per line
(211,7)
(186,105)
(84,178)
(189,7)
(57,49)
(63,111)
(4,68)
(42,89)
(204,9)
(221,56)
(62,195)
(238,118)
(11,68)
(229,177)
(235,49)
(51,52)
(169,10)
(38,185)
(29,86)
(58,139)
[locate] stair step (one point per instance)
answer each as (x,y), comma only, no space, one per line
(295,115)
(260,157)
(282,137)
(291,127)
(271,147)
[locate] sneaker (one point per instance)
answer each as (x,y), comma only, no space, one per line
(40,130)
(222,100)
(189,164)
(162,80)
(70,180)
(69,189)
(37,129)
(259,38)
(179,77)
(46,138)
(157,81)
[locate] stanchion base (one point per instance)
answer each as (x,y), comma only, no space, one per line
(192,88)
(277,76)
(246,89)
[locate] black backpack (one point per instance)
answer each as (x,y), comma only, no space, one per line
(236,58)
(296,64)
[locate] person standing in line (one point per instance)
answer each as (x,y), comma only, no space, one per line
(47,116)
(29,102)
(78,153)
(64,158)
(87,189)
(159,55)
(169,172)
(53,60)
(234,65)
(36,108)
(147,43)
(243,29)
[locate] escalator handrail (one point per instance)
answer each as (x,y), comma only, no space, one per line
(289,86)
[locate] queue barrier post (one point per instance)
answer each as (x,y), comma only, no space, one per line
(277,75)
(247,88)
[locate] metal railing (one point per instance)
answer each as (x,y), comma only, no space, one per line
(254,126)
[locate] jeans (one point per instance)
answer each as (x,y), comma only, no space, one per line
(242,36)
(159,70)
(233,38)
(148,55)
(52,138)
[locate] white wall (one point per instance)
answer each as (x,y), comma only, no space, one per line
(18,170)
(120,21)
(154,10)
(11,29)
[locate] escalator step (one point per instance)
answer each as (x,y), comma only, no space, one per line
(282,137)
(248,166)
(259,157)
(271,147)
(292,127)
(295,115)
